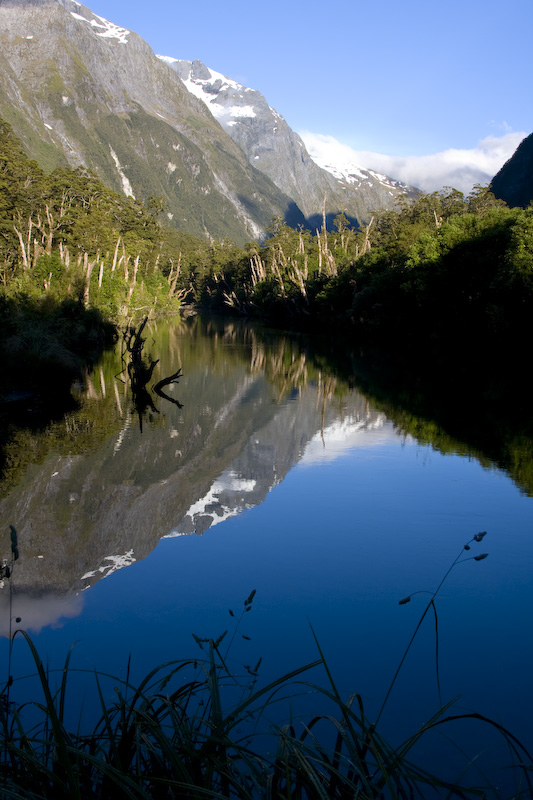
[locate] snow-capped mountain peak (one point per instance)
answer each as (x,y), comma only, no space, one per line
(277,151)
(216,90)
(349,172)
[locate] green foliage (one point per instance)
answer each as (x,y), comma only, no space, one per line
(45,341)
(442,268)
(66,235)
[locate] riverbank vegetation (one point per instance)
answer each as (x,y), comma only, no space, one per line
(195,729)
(75,260)
(65,235)
(442,270)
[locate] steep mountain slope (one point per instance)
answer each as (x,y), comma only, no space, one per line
(78,89)
(514,182)
(272,147)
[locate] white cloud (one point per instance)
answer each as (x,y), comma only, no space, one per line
(458,168)
(37,612)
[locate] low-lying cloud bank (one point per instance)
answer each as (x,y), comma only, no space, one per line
(458,168)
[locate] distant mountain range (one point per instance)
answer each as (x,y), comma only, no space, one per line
(272,147)
(79,90)
(514,182)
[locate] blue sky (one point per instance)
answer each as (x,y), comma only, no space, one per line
(406,80)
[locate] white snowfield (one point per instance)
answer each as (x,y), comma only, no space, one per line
(209,89)
(111,564)
(211,505)
(108,30)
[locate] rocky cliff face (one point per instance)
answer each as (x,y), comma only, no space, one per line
(78,89)
(514,182)
(272,147)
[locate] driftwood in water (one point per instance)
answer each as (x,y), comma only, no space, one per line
(158,388)
(140,372)
(133,339)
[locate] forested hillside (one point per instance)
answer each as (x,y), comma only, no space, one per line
(66,234)
(74,256)
(514,182)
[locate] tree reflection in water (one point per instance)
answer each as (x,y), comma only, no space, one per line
(140,369)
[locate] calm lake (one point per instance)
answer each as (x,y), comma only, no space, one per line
(265,469)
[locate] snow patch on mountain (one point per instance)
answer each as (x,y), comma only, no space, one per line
(228,496)
(221,112)
(334,157)
(110,564)
(215,89)
(108,29)
(346,170)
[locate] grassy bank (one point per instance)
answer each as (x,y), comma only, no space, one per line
(194,729)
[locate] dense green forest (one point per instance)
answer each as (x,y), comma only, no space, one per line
(442,270)
(64,234)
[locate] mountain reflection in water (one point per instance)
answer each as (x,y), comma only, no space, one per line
(251,407)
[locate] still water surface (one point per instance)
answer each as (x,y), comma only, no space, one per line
(139,528)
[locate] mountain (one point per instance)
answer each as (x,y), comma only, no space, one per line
(514,182)
(272,147)
(79,90)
